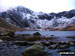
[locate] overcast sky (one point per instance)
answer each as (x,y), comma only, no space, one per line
(39,5)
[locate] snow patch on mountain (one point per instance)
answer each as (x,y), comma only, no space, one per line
(56,22)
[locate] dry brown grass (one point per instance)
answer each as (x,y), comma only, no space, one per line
(68,28)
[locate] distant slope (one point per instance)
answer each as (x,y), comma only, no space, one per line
(6,25)
(68,28)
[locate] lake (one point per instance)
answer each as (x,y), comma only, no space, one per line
(60,34)
(48,33)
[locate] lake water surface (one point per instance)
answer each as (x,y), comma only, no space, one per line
(61,35)
(48,33)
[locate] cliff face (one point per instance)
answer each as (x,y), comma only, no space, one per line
(22,17)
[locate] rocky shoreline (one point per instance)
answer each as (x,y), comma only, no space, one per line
(16,45)
(9,48)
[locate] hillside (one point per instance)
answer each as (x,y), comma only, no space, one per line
(68,28)
(8,27)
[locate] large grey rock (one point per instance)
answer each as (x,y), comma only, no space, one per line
(35,50)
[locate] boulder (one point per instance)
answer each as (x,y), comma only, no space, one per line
(37,34)
(35,50)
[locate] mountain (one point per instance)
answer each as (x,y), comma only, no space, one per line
(22,17)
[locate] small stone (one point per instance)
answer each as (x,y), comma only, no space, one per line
(21,43)
(71,43)
(30,43)
(62,46)
(63,50)
(46,43)
(52,42)
(1,40)
(63,43)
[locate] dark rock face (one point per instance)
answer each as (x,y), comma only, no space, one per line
(45,16)
(71,14)
(60,14)
(67,14)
